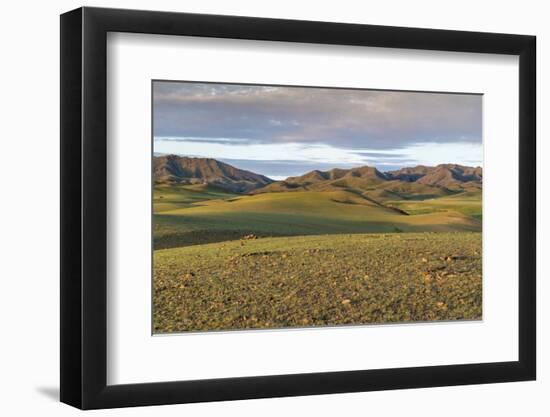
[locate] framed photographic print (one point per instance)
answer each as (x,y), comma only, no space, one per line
(258,207)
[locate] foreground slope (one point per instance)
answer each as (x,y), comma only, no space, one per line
(317,281)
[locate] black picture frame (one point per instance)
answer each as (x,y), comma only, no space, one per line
(84,207)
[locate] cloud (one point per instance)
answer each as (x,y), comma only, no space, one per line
(286,131)
(343,118)
(290,159)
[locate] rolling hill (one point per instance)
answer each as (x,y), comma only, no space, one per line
(303,213)
(199,200)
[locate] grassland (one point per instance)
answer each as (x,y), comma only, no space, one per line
(317,281)
(467,204)
(191,215)
(338,256)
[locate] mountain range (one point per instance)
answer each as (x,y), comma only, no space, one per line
(440,180)
(173,169)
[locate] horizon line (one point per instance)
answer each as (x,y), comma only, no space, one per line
(282,177)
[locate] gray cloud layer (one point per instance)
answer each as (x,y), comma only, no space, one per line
(339,117)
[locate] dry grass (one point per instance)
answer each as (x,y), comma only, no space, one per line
(323,280)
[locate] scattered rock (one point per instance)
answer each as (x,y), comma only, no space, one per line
(424,260)
(441,305)
(455,258)
(438,268)
(188,276)
(263,254)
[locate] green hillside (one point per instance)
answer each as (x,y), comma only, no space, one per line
(468,204)
(170,197)
(188,215)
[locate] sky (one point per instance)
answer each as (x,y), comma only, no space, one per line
(282,131)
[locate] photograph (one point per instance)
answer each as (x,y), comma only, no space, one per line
(285,206)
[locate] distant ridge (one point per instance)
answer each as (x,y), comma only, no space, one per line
(420,180)
(408,182)
(174,169)
(444,175)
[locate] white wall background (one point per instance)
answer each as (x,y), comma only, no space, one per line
(29,220)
